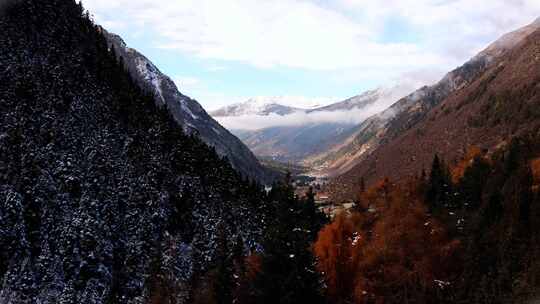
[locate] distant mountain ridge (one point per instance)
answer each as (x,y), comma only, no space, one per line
(188,112)
(263,106)
(356,102)
(308,133)
(255,106)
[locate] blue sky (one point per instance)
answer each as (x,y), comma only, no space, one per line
(225,51)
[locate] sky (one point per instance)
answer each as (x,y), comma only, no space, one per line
(225,51)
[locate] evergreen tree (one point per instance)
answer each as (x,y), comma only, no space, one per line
(314,218)
(471,185)
(223,280)
(494,209)
(512,157)
(526,197)
(288,273)
(438,186)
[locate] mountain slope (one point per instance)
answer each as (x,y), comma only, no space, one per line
(484,103)
(188,112)
(374,131)
(293,143)
(405,113)
(103,199)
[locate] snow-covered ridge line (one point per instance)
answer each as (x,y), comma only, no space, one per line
(187,112)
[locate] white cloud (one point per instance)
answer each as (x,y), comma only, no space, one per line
(265,34)
(344,39)
(187,82)
(387,97)
(256,122)
(302,34)
(216,68)
(456,28)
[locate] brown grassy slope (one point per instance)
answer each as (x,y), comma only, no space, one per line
(503,102)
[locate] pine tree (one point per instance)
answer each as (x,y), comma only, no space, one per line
(438,186)
(494,209)
(526,197)
(223,285)
(512,157)
(288,273)
(471,185)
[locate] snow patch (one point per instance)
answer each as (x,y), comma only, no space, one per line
(151,74)
(186,108)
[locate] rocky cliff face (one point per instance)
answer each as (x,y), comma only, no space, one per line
(188,112)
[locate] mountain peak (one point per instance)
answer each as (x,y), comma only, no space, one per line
(508,41)
(260,105)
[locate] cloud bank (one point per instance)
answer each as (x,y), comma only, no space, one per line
(256,122)
(387,97)
(341,43)
(322,35)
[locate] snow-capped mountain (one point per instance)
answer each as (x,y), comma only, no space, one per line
(263,106)
(356,102)
(186,111)
(255,106)
(379,98)
(508,41)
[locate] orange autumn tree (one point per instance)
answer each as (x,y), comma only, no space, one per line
(396,253)
(535,168)
(334,250)
(458,170)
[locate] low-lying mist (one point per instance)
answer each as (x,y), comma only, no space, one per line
(347,117)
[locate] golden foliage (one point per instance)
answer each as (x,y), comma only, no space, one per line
(466,161)
(535,167)
(395,254)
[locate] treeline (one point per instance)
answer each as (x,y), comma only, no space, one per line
(280,269)
(465,233)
